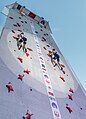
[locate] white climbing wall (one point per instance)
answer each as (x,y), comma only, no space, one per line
(46,91)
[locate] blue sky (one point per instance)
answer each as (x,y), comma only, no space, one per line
(68,23)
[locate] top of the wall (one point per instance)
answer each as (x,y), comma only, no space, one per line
(25,12)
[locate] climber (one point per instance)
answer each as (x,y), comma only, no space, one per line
(56,57)
(50,54)
(20,40)
(24,44)
(9,87)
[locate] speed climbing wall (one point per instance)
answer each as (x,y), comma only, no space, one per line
(30,86)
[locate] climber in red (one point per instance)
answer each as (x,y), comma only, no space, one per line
(9,87)
(20,77)
(69,109)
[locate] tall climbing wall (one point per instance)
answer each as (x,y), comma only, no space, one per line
(30,86)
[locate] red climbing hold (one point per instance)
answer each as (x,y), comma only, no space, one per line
(48,46)
(46,34)
(69,109)
(62,65)
(45,48)
(13,31)
(19,17)
(62,79)
(15,25)
(27,115)
(44,38)
(18,24)
(20,59)
(63,71)
(22,21)
(48,81)
(19,30)
(50,93)
(9,87)
(41,29)
(20,77)
(36,31)
(29,49)
(27,71)
(71,90)
(26,22)
(70,97)
(27,54)
(14,37)
(11,17)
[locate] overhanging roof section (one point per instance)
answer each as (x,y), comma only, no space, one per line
(25,12)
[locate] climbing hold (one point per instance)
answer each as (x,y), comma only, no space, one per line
(19,30)
(36,32)
(9,87)
(20,77)
(69,109)
(11,17)
(18,24)
(71,90)
(50,93)
(27,54)
(13,31)
(62,65)
(29,49)
(19,17)
(15,37)
(31,89)
(26,22)
(62,70)
(70,97)
(27,71)
(44,38)
(44,48)
(15,25)
(62,79)
(41,29)
(27,115)
(22,22)
(20,59)
(48,46)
